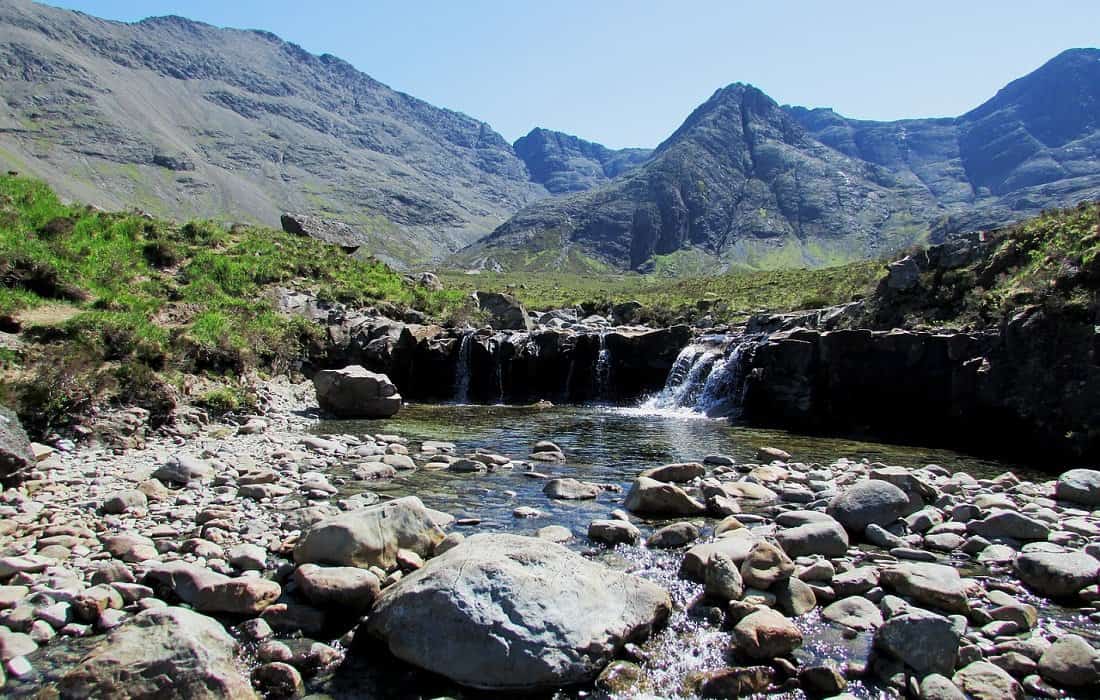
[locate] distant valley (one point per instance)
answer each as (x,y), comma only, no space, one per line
(184,120)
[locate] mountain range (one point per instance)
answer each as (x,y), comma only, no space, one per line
(183,119)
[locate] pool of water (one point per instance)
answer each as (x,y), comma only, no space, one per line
(607,445)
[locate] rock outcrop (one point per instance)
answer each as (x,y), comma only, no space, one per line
(355,392)
(15,449)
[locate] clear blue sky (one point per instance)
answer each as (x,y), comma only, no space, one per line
(627,72)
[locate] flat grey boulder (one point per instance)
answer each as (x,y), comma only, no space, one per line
(925,642)
(1081,486)
(15,449)
(504,612)
(371,536)
(869,502)
(935,585)
(1009,523)
(164,653)
(651,497)
(827,538)
(355,392)
(1057,574)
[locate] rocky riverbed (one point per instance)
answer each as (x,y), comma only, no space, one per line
(257,557)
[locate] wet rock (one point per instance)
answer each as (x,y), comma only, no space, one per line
(855,612)
(613,532)
(674,535)
(723,578)
(935,585)
(676,473)
(571,490)
(504,612)
(869,502)
(163,653)
(925,642)
(355,392)
(765,565)
(765,634)
(651,497)
(738,682)
(620,677)
(1057,574)
(825,538)
(345,587)
(824,680)
(1071,662)
(984,681)
(370,536)
(772,454)
(554,533)
(278,680)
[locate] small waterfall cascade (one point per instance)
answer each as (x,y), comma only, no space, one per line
(603,368)
(462,369)
(706,378)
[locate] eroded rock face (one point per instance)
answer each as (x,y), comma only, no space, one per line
(371,536)
(505,612)
(355,392)
(15,448)
(168,653)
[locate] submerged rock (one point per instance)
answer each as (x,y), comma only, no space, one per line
(169,653)
(504,612)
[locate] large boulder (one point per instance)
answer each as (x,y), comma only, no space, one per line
(923,641)
(1057,574)
(826,538)
(355,392)
(15,448)
(869,502)
(1081,486)
(1071,662)
(651,497)
(934,585)
(325,230)
(161,654)
(505,311)
(511,613)
(371,536)
(766,634)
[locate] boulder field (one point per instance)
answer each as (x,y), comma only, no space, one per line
(255,559)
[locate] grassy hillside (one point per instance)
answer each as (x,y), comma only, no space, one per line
(730,297)
(118,304)
(1051,261)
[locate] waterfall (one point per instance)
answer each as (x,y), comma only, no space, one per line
(706,378)
(462,369)
(603,368)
